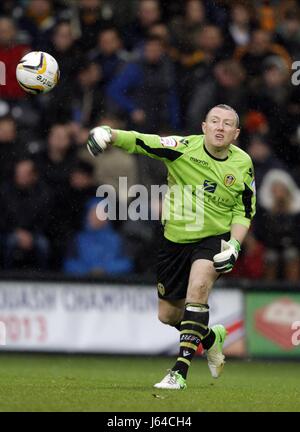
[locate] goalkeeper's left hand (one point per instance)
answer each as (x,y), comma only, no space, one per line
(98,140)
(225,260)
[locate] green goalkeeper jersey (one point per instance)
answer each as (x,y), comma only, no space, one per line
(205,195)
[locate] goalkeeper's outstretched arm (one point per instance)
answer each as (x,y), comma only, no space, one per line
(166,149)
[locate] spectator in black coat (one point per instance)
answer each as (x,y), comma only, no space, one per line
(276,225)
(109,54)
(82,190)
(26,205)
(153,75)
(55,165)
(69,57)
(263,158)
(148,14)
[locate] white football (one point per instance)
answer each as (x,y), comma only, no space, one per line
(37,72)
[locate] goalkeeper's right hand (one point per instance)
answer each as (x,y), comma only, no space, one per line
(98,139)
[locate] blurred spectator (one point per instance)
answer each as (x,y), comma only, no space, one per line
(259,49)
(217,12)
(26,207)
(88,100)
(196,71)
(55,164)
(161,31)
(271,96)
(63,47)
(210,40)
(276,225)
(153,75)
(263,158)
(288,32)
(241,24)
(91,20)
(228,86)
(109,54)
(97,248)
(82,189)
(9,146)
(37,21)
(266,11)
(255,122)
(85,102)
(10,54)
(183,27)
(148,14)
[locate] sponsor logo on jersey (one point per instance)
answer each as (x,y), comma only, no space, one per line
(161,289)
(209,186)
(184,141)
(168,142)
(229,179)
(199,161)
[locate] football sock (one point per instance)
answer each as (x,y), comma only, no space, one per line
(193,329)
(208,340)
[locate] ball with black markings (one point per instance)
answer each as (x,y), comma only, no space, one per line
(37,72)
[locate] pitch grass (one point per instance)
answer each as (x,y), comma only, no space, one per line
(89,383)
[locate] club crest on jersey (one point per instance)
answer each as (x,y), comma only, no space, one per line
(229,179)
(161,289)
(168,142)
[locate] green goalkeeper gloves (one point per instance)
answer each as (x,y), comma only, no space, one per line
(225,260)
(98,140)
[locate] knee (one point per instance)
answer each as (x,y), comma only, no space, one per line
(168,318)
(201,287)
(198,292)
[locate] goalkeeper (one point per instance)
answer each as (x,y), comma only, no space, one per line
(203,231)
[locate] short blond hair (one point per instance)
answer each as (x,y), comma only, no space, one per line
(228,108)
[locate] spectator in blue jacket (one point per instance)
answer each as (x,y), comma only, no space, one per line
(97,249)
(154,76)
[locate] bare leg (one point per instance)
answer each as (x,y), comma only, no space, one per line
(170,311)
(202,278)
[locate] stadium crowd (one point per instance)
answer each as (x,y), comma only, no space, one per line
(156,67)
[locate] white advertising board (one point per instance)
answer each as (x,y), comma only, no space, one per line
(66,317)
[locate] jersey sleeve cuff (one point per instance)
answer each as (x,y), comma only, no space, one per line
(241,221)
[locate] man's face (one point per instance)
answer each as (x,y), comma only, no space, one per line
(59,138)
(153,52)
(109,42)
(25,175)
(149,12)
(220,128)
(63,38)
(7,32)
